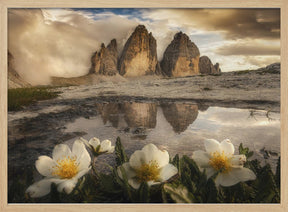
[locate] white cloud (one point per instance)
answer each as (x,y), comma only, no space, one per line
(60,42)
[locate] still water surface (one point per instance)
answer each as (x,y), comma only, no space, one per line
(180,128)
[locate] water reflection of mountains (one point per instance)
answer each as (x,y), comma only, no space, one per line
(143,115)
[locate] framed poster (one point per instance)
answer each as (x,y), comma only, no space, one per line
(115,104)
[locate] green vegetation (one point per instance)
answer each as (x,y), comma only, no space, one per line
(242,72)
(190,185)
(19,97)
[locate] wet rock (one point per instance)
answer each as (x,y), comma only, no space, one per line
(139,56)
(181,57)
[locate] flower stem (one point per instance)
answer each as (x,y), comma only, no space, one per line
(93,167)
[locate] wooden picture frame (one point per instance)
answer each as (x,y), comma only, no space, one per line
(5,4)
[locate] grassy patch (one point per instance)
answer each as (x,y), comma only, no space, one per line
(19,97)
(242,72)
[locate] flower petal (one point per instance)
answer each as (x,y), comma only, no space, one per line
(211,145)
(238,161)
(85,142)
(81,173)
(129,171)
(60,151)
(137,159)
(112,149)
(134,183)
(77,148)
(201,158)
(227,147)
(39,189)
(105,146)
(151,183)
(210,172)
(226,179)
(67,186)
(243,174)
(167,172)
(84,160)
(152,153)
(44,165)
(94,142)
(235,176)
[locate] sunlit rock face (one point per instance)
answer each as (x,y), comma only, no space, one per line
(105,61)
(180,116)
(14,79)
(139,56)
(181,57)
(207,67)
(140,114)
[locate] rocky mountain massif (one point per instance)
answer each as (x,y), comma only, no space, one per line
(139,57)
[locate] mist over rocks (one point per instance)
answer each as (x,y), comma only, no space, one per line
(181,57)
(105,61)
(14,79)
(139,56)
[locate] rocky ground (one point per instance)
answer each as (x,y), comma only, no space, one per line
(254,89)
(38,127)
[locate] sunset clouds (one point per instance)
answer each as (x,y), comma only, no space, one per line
(60,42)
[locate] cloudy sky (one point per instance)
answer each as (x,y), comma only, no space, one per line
(60,42)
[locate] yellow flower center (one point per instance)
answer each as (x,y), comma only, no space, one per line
(148,172)
(220,162)
(66,168)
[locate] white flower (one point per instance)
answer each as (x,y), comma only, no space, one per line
(219,157)
(149,165)
(98,147)
(64,169)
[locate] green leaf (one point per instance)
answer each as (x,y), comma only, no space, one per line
(144,193)
(179,194)
(245,151)
(268,191)
(121,156)
(211,191)
(176,163)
